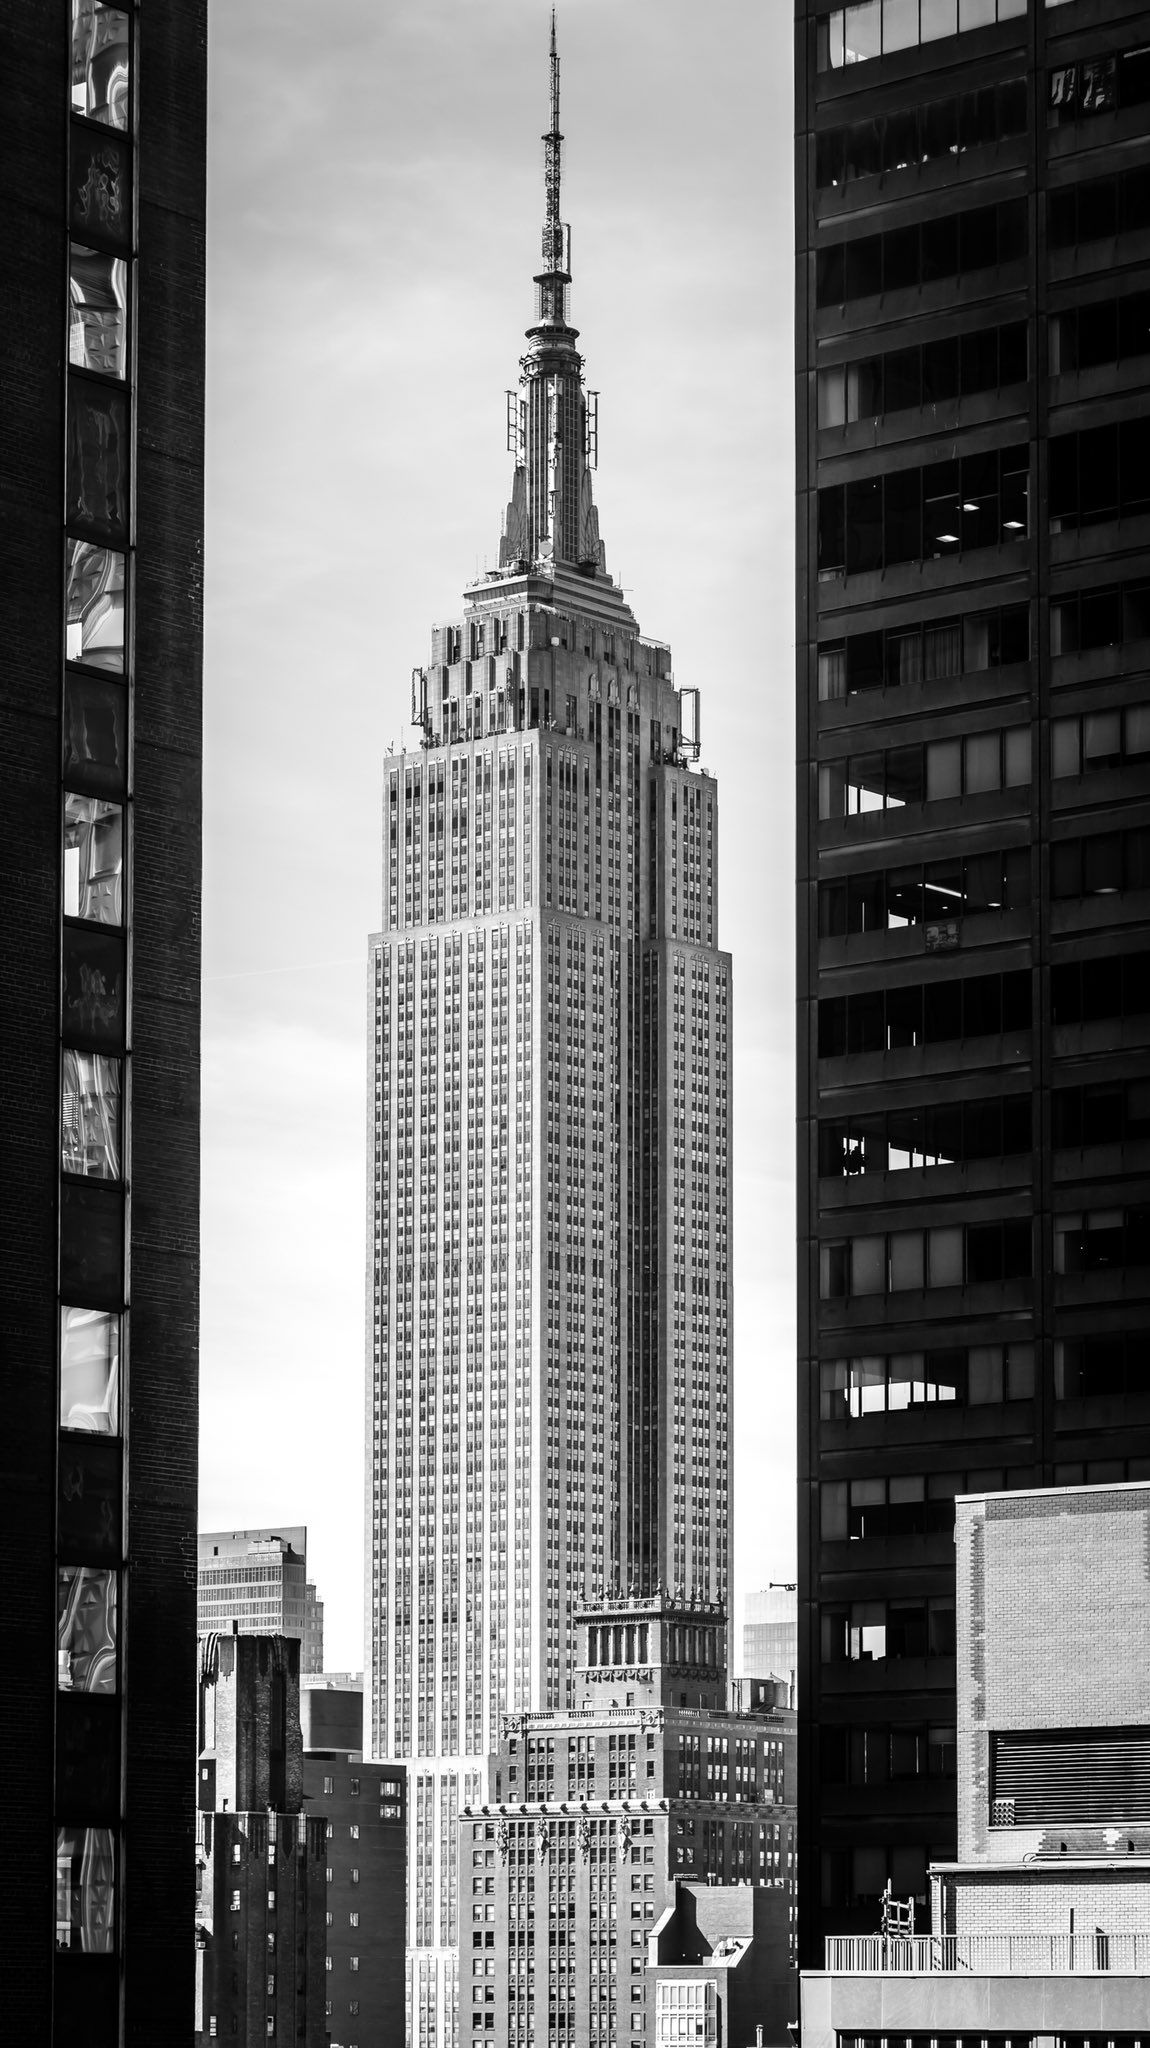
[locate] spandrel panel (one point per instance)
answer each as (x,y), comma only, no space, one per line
(93,1008)
(88,1501)
(86,2001)
(94,622)
(93,860)
(85,1890)
(100,188)
(95,751)
(91,1245)
(101,62)
(88,1757)
(98,459)
(90,1114)
(98,312)
(90,1370)
(87,1632)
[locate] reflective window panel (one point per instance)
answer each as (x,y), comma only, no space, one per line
(90,1370)
(91,1244)
(98,317)
(101,55)
(94,976)
(100,188)
(93,859)
(98,459)
(86,1635)
(90,1109)
(85,1890)
(94,626)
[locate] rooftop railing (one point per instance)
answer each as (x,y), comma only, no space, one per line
(988,1955)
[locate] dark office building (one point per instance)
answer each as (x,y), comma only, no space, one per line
(973,324)
(364,1809)
(102,167)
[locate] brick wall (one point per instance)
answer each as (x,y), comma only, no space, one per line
(244,1674)
(1042,1902)
(1053,1631)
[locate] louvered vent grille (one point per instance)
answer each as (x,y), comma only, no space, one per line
(1071,1777)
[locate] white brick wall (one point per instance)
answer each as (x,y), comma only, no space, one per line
(1053,1631)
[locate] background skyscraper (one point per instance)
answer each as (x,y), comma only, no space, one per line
(974,962)
(102,166)
(258,1578)
(549,1270)
(770,1633)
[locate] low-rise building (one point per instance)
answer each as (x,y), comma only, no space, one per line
(664,1772)
(720,1968)
(261,1883)
(364,1809)
(1041,1927)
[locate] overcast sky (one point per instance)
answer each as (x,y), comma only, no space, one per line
(375,198)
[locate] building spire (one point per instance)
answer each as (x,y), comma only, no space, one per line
(552,421)
(555,275)
(553,249)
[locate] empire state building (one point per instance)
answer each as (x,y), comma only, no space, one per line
(548,1315)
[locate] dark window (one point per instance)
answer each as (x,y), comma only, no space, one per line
(95,735)
(863,267)
(910,137)
(907,1633)
(902,516)
(940,248)
(91,1245)
(832,528)
(944,890)
(940,1624)
(864,517)
(927,1135)
(830,274)
(93,991)
(1105,863)
(978,243)
(1099,1366)
(902,257)
(1099,475)
(948,647)
(902,379)
(1081,991)
(900,260)
(910,514)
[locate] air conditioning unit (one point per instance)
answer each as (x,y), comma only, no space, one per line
(1002,1813)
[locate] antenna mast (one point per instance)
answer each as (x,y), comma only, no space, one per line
(556,255)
